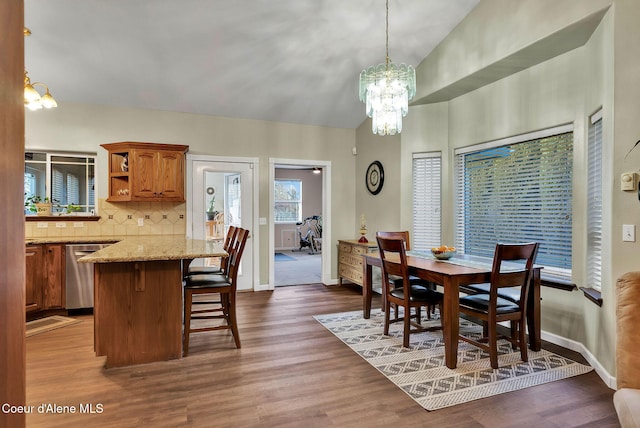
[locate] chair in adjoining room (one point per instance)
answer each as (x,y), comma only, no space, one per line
(394,263)
(228,243)
(492,309)
(404,235)
(222,284)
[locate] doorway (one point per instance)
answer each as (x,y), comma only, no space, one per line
(222,195)
(300,208)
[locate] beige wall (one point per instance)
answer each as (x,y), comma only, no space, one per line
(77,127)
(568,88)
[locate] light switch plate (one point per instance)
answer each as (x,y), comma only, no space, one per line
(629,232)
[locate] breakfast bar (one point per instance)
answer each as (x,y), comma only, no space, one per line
(138,297)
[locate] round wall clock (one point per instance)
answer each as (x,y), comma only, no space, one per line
(375,177)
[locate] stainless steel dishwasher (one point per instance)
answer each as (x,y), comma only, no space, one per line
(80,276)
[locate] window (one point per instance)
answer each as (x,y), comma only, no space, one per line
(288,201)
(427,169)
(594,204)
(518,190)
(66,179)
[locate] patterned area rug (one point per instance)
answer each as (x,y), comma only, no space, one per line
(49,323)
(421,373)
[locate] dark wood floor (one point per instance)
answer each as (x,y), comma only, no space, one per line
(290,372)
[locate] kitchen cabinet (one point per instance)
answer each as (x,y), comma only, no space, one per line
(146,172)
(54,284)
(45,279)
(34,264)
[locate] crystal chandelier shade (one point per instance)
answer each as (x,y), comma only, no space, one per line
(386,90)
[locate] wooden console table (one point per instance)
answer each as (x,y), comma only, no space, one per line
(350,263)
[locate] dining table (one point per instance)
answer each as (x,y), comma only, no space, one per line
(453,275)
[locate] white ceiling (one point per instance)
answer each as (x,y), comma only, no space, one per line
(295,61)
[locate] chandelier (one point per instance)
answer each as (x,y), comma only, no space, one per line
(33,100)
(386,90)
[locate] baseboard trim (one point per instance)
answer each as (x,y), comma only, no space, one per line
(606,377)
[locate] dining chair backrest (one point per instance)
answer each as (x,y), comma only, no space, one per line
(235,255)
(519,271)
(404,235)
(231,234)
(228,245)
(394,262)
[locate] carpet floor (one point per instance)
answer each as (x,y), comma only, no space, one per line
(421,373)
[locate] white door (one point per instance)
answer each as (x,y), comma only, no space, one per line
(231,184)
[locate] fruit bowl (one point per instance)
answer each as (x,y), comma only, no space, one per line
(443,252)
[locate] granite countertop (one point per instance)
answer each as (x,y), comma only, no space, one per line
(160,247)
(74,239)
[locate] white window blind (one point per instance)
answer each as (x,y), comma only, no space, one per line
(594,205)
(518,190)
(427,171)
(67,178)
(288,200)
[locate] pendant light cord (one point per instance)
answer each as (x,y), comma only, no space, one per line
(387,34)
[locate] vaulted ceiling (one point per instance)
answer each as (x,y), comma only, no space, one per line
(295,61)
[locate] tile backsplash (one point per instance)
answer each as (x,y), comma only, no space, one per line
(118,219)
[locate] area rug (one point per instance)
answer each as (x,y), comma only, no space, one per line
(281,257)
(421,373)
(49,323)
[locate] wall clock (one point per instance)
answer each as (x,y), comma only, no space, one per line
(375,177)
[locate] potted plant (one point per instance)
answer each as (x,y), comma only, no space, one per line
(36,204)
(211,212)
(72,209)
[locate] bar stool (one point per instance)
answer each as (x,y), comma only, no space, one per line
(222,284)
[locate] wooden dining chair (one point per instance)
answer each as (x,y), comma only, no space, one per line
(404,235)
(492,309)
(394,263)
(223,285)
(228,243)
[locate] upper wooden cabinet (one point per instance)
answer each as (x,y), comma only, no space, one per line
(146,171)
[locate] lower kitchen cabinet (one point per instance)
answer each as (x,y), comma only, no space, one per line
(45,279)
(34,277)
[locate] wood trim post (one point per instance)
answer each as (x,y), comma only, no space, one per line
(12,250)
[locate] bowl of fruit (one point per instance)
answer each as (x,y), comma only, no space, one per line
(443,252)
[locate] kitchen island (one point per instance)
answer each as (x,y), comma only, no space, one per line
(138,296)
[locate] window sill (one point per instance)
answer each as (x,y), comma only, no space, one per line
(560,284)
(61,218)
(592,294)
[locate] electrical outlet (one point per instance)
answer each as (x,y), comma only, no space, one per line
(140,221)
(629,232)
